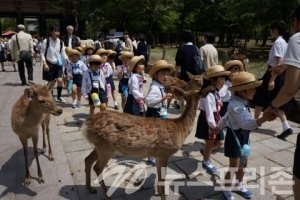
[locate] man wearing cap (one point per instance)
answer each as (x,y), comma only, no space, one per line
(22,41)
(71,40)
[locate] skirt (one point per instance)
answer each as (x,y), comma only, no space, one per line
(202,128)
(231,147)
(132,107)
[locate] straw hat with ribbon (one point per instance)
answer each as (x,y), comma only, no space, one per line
(244,81)
(160,65)
(127,54)
(215,71)
(74,52)
(232,63)
(134,60)
(102,51)
(94,58)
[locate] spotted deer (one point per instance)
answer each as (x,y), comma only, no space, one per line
(30,111)
(111,131)
(172,82)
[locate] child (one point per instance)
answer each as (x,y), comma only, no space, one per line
(93,81)
(239,122)
(123,75)
(210,114)
(88,51)
(135,101)
(110,60)
(75,70)
(107,71)
(234,66)
(156,97)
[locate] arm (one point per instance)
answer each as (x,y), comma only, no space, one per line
(135,88)
(271,84)
(208,103)
(153,97)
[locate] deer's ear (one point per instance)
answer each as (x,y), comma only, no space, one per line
(28,92)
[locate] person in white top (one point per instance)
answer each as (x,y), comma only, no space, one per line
(272,83)
(208,52)
(53,57)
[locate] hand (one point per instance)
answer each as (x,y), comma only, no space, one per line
(168,96)
(46,67)
(70,76)
(270,115)
(271,85)
(277,69)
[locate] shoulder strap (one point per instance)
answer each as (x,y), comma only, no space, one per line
(233,132)
(47,46)
(17,41)
(61,45)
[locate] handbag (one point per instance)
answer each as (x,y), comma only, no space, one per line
(197,63)
(24,54)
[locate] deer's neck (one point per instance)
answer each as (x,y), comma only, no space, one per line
(33,113)
(186,120)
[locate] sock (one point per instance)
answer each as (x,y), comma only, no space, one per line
(285,125)
(59,90)
(74,102)
(116,103)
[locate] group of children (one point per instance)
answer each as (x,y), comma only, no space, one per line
(226,106)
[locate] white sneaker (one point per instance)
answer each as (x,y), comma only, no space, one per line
(60,99)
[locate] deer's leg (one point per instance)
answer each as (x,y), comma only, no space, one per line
(43,125)
(36,154)
(47,122)
(161,173)
(103,156)
(25,150)
(89,161)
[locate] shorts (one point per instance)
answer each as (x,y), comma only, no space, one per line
(102,96)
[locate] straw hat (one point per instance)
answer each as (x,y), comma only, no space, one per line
(68,50)
(111,52)
(86,47)
(102,51)
(244,81)
(215,71)
(127,54)
(134,60)
(160,65)
(80,49)
(94,58)
(74,52)
(232,63)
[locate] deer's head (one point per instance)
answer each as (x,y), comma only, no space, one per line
(42,100)
(195,83)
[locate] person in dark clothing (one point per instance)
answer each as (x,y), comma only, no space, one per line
(184,56)
(71,40)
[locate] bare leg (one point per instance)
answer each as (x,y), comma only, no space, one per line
(161,172)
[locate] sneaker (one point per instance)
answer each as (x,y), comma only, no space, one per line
(244,192)
(60,99)
(227,195)
(74,105)
(78,105)
(285,134)
(209,167)
(151,161)
(116,107)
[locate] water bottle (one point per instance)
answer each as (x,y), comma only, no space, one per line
(96,100)
(125,91)
(69,85)
(163,113)
(140,104)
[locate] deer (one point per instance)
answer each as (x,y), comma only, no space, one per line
(174,81)
(30,111)
(111,131)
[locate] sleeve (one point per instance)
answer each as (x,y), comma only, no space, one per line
(278,49)
(83,67)
(13,48)
(109,69)
(202,54)
(69,69)
(178,58)
(223,122)
(135,88)
(63,52)
(153,97)
(84,84)
(31,44)
(242,118)
(43,50)
(208,103)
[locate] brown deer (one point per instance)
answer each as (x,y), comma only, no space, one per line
(176,82)
(32,109)
(111,131)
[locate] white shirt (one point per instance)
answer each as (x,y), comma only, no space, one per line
(106,69)
(155,95)
(238,115)
(53,50)
(292,55)
(76,68)
(134,86)
(208,104)
(209,55)
(224,92)
(86,86)
(278,50)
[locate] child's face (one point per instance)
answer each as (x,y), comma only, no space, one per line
(104,57)
(220,82)
(94,66)
(162,76)
(89,52)
(234,70)
(125,60)
(74,58)
(140,67)
(248,94)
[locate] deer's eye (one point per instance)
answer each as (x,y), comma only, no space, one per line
(42,101)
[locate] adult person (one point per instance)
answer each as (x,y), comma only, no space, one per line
(184,56)
(128,42)
(22,41)
(291,66)
(208,51)
(52,54)
(71,40)
(272,83)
